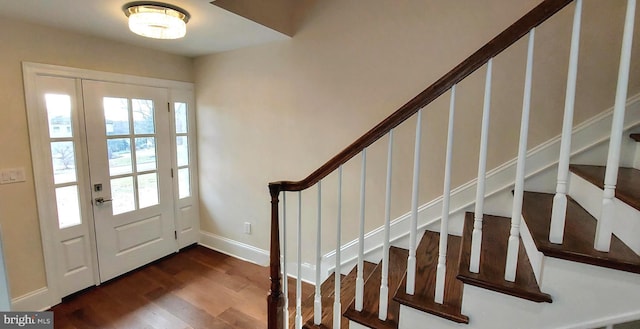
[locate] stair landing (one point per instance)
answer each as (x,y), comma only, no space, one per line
(493,257)
(579,233)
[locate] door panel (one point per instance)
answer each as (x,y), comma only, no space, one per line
(129,147)
(185,162)
(65,179)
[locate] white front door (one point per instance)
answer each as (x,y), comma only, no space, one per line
(129,147)
(115,172)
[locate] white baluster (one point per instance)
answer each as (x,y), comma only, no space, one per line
(518,193)
(299,263)
(476,239)
(285,282)
(317,301)
(360,275)
(604,227)
(411,260)
(337,308)
(446,198)
(559,210)
(384,283)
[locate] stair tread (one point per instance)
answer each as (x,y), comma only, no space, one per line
(369,315)
(347,293)
(495,235)
(426,268)
(627,186)
(635,137)
(579,233)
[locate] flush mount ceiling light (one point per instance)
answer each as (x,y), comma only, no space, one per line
(156,20)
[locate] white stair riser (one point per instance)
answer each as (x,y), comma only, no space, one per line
(627,220)
(584,296)
(356,325)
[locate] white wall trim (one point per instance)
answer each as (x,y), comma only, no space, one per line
(35,301)
(585,136)
(234,248)
(76,73)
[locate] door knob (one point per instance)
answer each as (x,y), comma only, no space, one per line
(101,200)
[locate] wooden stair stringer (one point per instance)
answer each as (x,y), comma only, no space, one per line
(495,235)
(579,233)
(426,268)
(369,314)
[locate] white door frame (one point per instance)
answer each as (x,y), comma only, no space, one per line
(178,92)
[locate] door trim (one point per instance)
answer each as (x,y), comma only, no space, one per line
(182,90)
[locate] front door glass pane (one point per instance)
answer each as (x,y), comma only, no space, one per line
(182,144)
(146,154)
(119,154)
(181,118)
(68,206)
(184,185)
(116,115)
(148,190)
(59,115)
(142,116)
(122,195)
(64,162)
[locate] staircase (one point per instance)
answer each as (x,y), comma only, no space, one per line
(576,247)
(568,256)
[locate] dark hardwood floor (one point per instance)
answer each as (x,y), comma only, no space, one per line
(195,288)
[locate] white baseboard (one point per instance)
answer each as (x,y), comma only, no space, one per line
(585,136)
(234,248)
(35,301)
(308,271)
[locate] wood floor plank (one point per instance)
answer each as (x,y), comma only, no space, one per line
(239,319)
(187,312)
(196,288)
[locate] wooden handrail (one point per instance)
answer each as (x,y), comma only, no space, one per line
(494,47)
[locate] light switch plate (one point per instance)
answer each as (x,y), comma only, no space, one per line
(12,175)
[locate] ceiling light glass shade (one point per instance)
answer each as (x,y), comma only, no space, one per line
(156,20)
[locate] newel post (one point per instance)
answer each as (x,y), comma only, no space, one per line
(275,300)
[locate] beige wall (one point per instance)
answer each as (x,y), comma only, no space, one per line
(25,42)
(279,111)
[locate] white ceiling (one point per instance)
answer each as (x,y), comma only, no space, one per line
(211,29)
